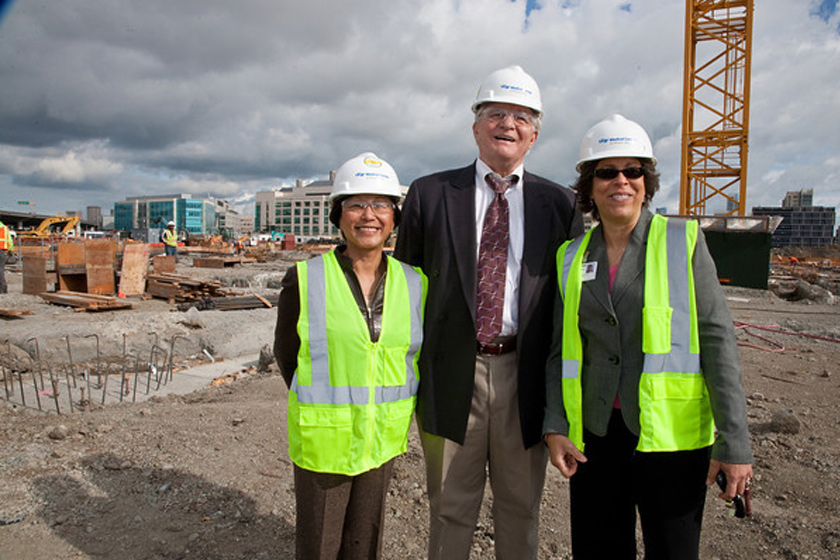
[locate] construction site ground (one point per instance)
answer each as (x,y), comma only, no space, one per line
(197,467)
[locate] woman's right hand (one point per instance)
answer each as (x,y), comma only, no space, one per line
(564,454)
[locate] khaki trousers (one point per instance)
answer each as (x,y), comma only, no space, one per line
(456,474)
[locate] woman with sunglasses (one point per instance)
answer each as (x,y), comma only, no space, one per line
(644,398)
(349,330)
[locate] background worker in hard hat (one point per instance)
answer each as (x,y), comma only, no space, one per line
(170,239)
(6,247)
(644,364)
(487,254)
(349,330)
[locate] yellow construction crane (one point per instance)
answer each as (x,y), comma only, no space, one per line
(716,100)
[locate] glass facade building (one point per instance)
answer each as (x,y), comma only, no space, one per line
(196,216)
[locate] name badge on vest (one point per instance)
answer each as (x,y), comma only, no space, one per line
(588,271)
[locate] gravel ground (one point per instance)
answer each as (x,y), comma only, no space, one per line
(206,475)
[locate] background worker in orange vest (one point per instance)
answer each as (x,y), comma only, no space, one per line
(6,247)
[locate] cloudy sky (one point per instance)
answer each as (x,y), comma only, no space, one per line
(100,100)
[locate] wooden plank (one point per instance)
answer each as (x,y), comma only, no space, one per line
(70,253)
(9,312)
(208,262)
(87,302)
(99,264)
(69,256)
(34,274)
(162,264)
(219,262)
(135,267)
(162,290)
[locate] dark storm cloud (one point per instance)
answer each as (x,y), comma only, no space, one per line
(227,98)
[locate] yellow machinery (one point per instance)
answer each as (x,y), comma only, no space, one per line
(49,227)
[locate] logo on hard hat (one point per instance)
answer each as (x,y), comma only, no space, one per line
(516,88)
(373,162)
(368,175)
(616,140)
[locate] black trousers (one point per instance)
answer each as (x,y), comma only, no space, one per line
(4,256)
(338,516)
(668,489)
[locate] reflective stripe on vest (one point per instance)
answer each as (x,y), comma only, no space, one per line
(5,238)
(570,259)
(674,410)
(351,399)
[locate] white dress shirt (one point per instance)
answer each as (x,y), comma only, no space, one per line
(516,214)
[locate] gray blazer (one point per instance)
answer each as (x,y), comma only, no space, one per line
(611,328)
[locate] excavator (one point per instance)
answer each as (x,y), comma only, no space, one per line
(45,228)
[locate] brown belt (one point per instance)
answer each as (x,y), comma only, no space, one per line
(497,348)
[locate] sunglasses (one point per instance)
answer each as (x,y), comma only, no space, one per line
(608,173)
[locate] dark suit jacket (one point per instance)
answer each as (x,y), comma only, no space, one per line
(437,233)
(611,328)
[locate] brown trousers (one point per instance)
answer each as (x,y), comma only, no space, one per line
(340,517)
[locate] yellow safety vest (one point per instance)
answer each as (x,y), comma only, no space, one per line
(351,399)
(674,409)
(170,237)
(6,243)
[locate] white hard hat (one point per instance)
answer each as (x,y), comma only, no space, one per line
(365,174)
(509,85)
(615,136)
(170,224)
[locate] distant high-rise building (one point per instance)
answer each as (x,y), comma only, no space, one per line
(94,216)
(799,199)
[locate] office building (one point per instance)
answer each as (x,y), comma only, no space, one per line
(803,224)
(196,216)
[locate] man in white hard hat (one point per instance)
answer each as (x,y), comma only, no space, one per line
(485,236)
(170,239)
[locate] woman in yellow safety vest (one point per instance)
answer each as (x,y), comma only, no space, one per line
(645,404)
(348,337)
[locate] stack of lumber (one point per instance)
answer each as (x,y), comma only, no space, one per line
(173,287)
(230,303)
(85,302)
(220,262)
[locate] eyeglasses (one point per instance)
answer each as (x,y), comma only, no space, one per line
(497,114)
(608,173)
(379,207)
